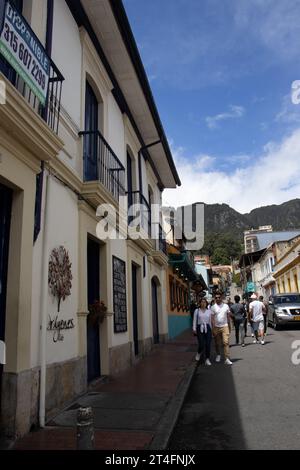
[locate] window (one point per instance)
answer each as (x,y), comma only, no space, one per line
(296,282)
(91,140)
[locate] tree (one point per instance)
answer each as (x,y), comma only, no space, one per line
(220,256)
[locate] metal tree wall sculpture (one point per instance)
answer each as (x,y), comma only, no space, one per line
(60,274)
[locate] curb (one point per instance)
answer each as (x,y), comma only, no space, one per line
(171,413)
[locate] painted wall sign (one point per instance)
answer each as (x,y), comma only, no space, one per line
(57,326)
(119,295)
(22,49)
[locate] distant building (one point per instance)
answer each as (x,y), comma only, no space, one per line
(258,239)
(222,277)
(287,269)
(266,272)
(184,284)
(250,237)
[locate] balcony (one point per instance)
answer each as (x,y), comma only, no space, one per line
(101,164)
(50,110)
(160,253)
(139,211)
(162,241)
(138,206)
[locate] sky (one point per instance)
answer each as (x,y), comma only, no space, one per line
(221,73)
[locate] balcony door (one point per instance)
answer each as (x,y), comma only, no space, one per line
(5,215)
(129,180)
(90,150)
(134,271)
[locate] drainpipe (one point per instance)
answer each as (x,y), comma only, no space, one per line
(44,303)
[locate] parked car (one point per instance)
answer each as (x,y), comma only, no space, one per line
(284,309)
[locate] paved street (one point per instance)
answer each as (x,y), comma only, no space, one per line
(253,404)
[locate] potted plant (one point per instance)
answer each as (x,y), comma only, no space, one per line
(97,312)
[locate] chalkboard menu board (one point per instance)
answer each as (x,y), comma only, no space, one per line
(119,293)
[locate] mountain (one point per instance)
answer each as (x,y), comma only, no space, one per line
(221,218)
(283,217)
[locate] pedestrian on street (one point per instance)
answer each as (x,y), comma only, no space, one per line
(246,317)
(250,321)
(256,309)
(238,315)
(202,327)
(222,327)
(265,314)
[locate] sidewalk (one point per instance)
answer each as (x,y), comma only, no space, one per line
(136,410)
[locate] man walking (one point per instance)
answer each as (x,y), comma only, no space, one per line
(256,309)
(238,314)
(221,331)
(265,314)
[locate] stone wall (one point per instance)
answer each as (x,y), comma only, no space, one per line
(120,358)
(20,394)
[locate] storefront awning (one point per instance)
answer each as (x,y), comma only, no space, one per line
(183,266)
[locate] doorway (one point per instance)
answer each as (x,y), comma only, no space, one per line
(134,271)
(155,312)
(93,289)
(5,216)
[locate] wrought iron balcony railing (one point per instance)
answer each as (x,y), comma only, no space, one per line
(50,111)
(162,241)
(101,163)
(141,208)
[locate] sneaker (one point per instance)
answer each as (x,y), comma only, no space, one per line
(228,362)
(243,345)
(197,357)
(207,362)
(252,334)
(218,358)
(254,342)
(262,342)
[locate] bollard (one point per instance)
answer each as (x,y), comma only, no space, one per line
(85,429)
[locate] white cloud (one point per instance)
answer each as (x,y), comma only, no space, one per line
(234,113)
(289,112)
(272,178)
(274,23)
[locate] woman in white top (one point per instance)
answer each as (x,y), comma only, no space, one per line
(202,327)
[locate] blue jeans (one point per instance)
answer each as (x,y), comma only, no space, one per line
(204,341)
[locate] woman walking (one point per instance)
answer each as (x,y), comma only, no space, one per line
(202,327)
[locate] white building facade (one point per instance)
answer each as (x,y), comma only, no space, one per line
(108,143)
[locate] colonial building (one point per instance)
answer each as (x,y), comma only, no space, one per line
(287,269)
(184,284)
(78,129)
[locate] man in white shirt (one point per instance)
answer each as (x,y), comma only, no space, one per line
(222,327)
(256,312)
